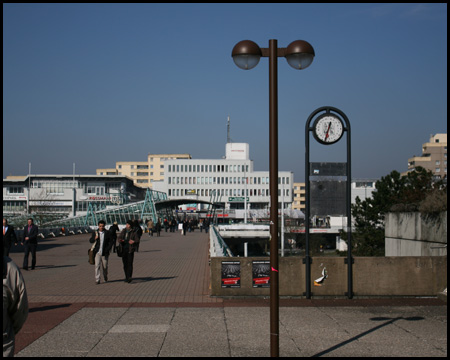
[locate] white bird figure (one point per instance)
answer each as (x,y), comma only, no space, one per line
(319,281)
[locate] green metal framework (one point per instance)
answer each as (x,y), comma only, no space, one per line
(121,213)
(155,205)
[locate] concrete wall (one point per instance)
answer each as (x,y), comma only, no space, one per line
(410,234)
(372,276)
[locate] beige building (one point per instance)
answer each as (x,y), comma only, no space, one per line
(299,202)
(143,173)
(434,156)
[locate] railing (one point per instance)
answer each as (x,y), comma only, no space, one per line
(50,232)
(217,246)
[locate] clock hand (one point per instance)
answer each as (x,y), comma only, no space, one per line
(328,131)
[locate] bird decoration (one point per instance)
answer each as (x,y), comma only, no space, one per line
(319,281)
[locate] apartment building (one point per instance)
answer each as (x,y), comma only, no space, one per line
(299,201)
(434,156)
(143,173)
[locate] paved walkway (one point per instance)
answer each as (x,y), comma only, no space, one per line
(167,311)
(170,268)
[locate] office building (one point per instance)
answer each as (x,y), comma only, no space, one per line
(231,182)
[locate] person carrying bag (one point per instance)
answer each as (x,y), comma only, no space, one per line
(103,242)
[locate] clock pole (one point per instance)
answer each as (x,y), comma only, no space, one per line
(337,123)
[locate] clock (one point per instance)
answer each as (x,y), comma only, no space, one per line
(328,129)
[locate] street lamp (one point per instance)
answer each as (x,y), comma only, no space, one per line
(246,55)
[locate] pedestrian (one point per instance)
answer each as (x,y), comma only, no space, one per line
(206,225)
(158,227)
(15,304)
(113,230)
(185,226)
(30,233)
(150,226)
(173,224)
(103,243)
(9,235)
(128,238)
(166,224)
(201,225)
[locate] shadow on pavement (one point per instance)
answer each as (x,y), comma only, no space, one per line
(390,321)
(48,307)
(145,279)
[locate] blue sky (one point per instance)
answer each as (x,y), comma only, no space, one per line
(93,84)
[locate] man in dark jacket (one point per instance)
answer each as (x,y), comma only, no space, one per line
(9,236)
(129,239)
(30,233)
(103,243)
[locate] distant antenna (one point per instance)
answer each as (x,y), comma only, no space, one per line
(228,131)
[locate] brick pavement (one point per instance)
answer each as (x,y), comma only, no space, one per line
(171,268)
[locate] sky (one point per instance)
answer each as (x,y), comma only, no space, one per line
(93,84)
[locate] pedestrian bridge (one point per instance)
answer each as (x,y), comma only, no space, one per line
(154,206)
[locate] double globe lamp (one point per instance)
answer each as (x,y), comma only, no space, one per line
(299,54)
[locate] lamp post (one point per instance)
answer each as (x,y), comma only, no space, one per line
(246,55)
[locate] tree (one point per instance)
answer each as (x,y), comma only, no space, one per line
(393,193)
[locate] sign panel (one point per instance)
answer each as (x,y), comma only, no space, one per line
(237,199)
(327,169)
(14,197)
(50,203)
(231,274)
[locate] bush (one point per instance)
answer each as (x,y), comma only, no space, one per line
(434,203)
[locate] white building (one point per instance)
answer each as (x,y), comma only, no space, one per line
(231,181)
(65,195)
(362,188)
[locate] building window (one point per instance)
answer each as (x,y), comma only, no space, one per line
(15,190)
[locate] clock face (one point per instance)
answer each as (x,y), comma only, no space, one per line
(328,129)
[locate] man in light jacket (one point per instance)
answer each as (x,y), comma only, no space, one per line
(103,241)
